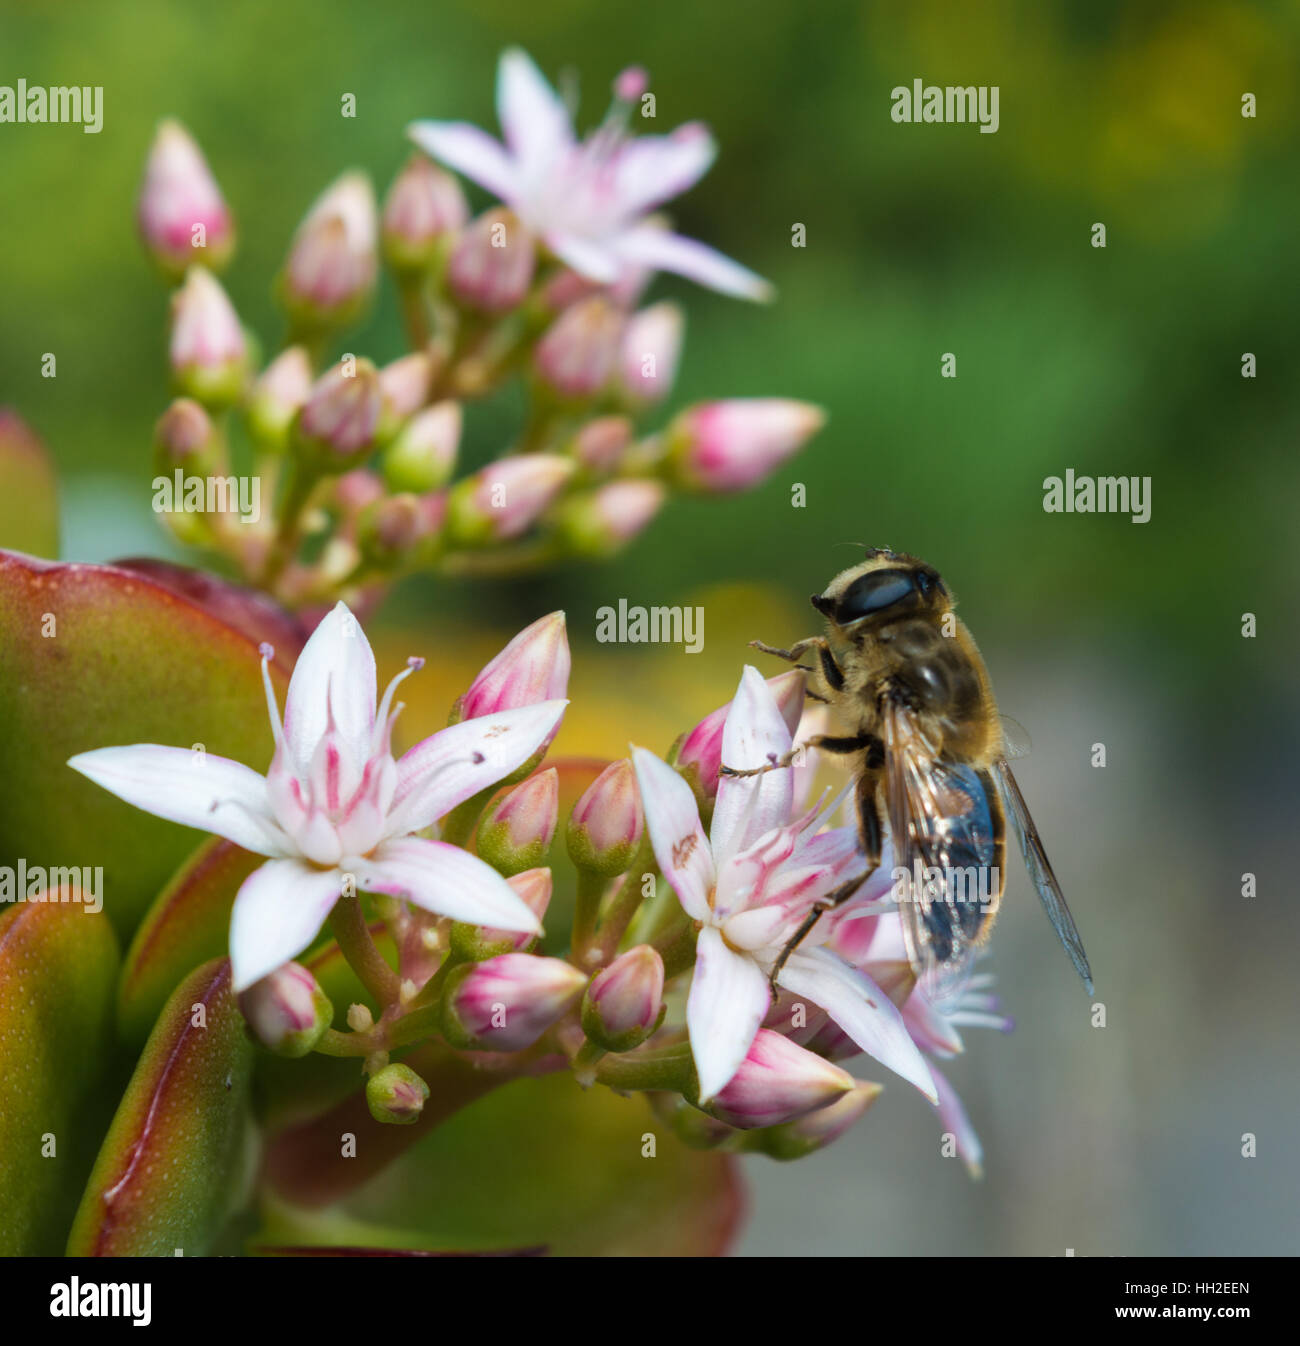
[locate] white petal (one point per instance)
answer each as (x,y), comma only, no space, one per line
(728,1001)
(651,169)
(534,120)
(664,251)
(278,911)
(755,734)
(442,771)
(585,257)
(861,1009)
(197,789)
(447,880)
(335,671)
(470,151)
(673,820)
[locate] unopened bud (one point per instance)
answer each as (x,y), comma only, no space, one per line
(423,456)
(533,667)
(602,522)
(184,438)
(720,447)
(341,417)
(182,215)
(601,443)
(330,270)
(396,1095)
(624,1003)
(816,1130)
(505,1004)
(652,346)
(491,266)
(287,1011)
(405,383)
(504,499)
(208,350)
(393,529)
(473,943)
(517,831)
(577,352)
(777,1082)
(279,394)
(423,206)
(606,825)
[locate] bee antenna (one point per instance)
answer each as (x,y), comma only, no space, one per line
(849,544)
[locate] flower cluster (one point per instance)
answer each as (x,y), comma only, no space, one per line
(445,853)
(358,458)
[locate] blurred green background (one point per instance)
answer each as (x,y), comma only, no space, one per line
(921,240)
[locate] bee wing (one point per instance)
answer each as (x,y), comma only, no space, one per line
(938,818)
(1015,739)
(1040,870)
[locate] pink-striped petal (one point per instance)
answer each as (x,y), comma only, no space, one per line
(954,1120)
(648,246)
(673,821)
(861,1009)
(470,151)
(335,674)
(446,880)
(196,789)
(728,1001)
(277,913)
(755,735)
(456,763)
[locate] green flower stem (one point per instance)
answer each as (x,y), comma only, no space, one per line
(415,309)
(676,946)
(625,903)
(288,534)
(353,934)
(458,826)
(502,562)
(670,1068)
(586,912)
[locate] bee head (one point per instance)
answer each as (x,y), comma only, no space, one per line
(887,585)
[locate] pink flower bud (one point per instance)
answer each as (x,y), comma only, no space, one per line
(183,435)
(577,352)
(396,1095)
(492,265)
(423,205)
(406,383)
(392,528)
(721,447)
(777,1082)
(331,267)
(624,1003)
(208,351)
(533,667)
(504,499)
(279,394)
(287,1011)
(357,489)
(507,1003)
(631,83)
(816,1130)
(652,346)
(183,217)
(423,456)
(471,943)
(699,754)
(516,832)
(600,444)
(606,825)
(342,414)
(603,521)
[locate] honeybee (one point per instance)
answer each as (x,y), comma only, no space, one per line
(930,755)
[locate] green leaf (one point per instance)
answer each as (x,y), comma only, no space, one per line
(93,657)
(58,966)
(538,1162)
(172,1166)
(186,926)
(29,506)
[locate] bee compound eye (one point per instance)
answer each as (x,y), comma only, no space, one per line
(875,592)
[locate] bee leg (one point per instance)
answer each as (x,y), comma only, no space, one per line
(869,827)
(836,743)
(791,656)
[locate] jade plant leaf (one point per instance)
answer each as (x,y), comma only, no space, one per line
(58,966)
(96,656)
(174,1161)
(538,1162)
(186,926)
(29,506)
